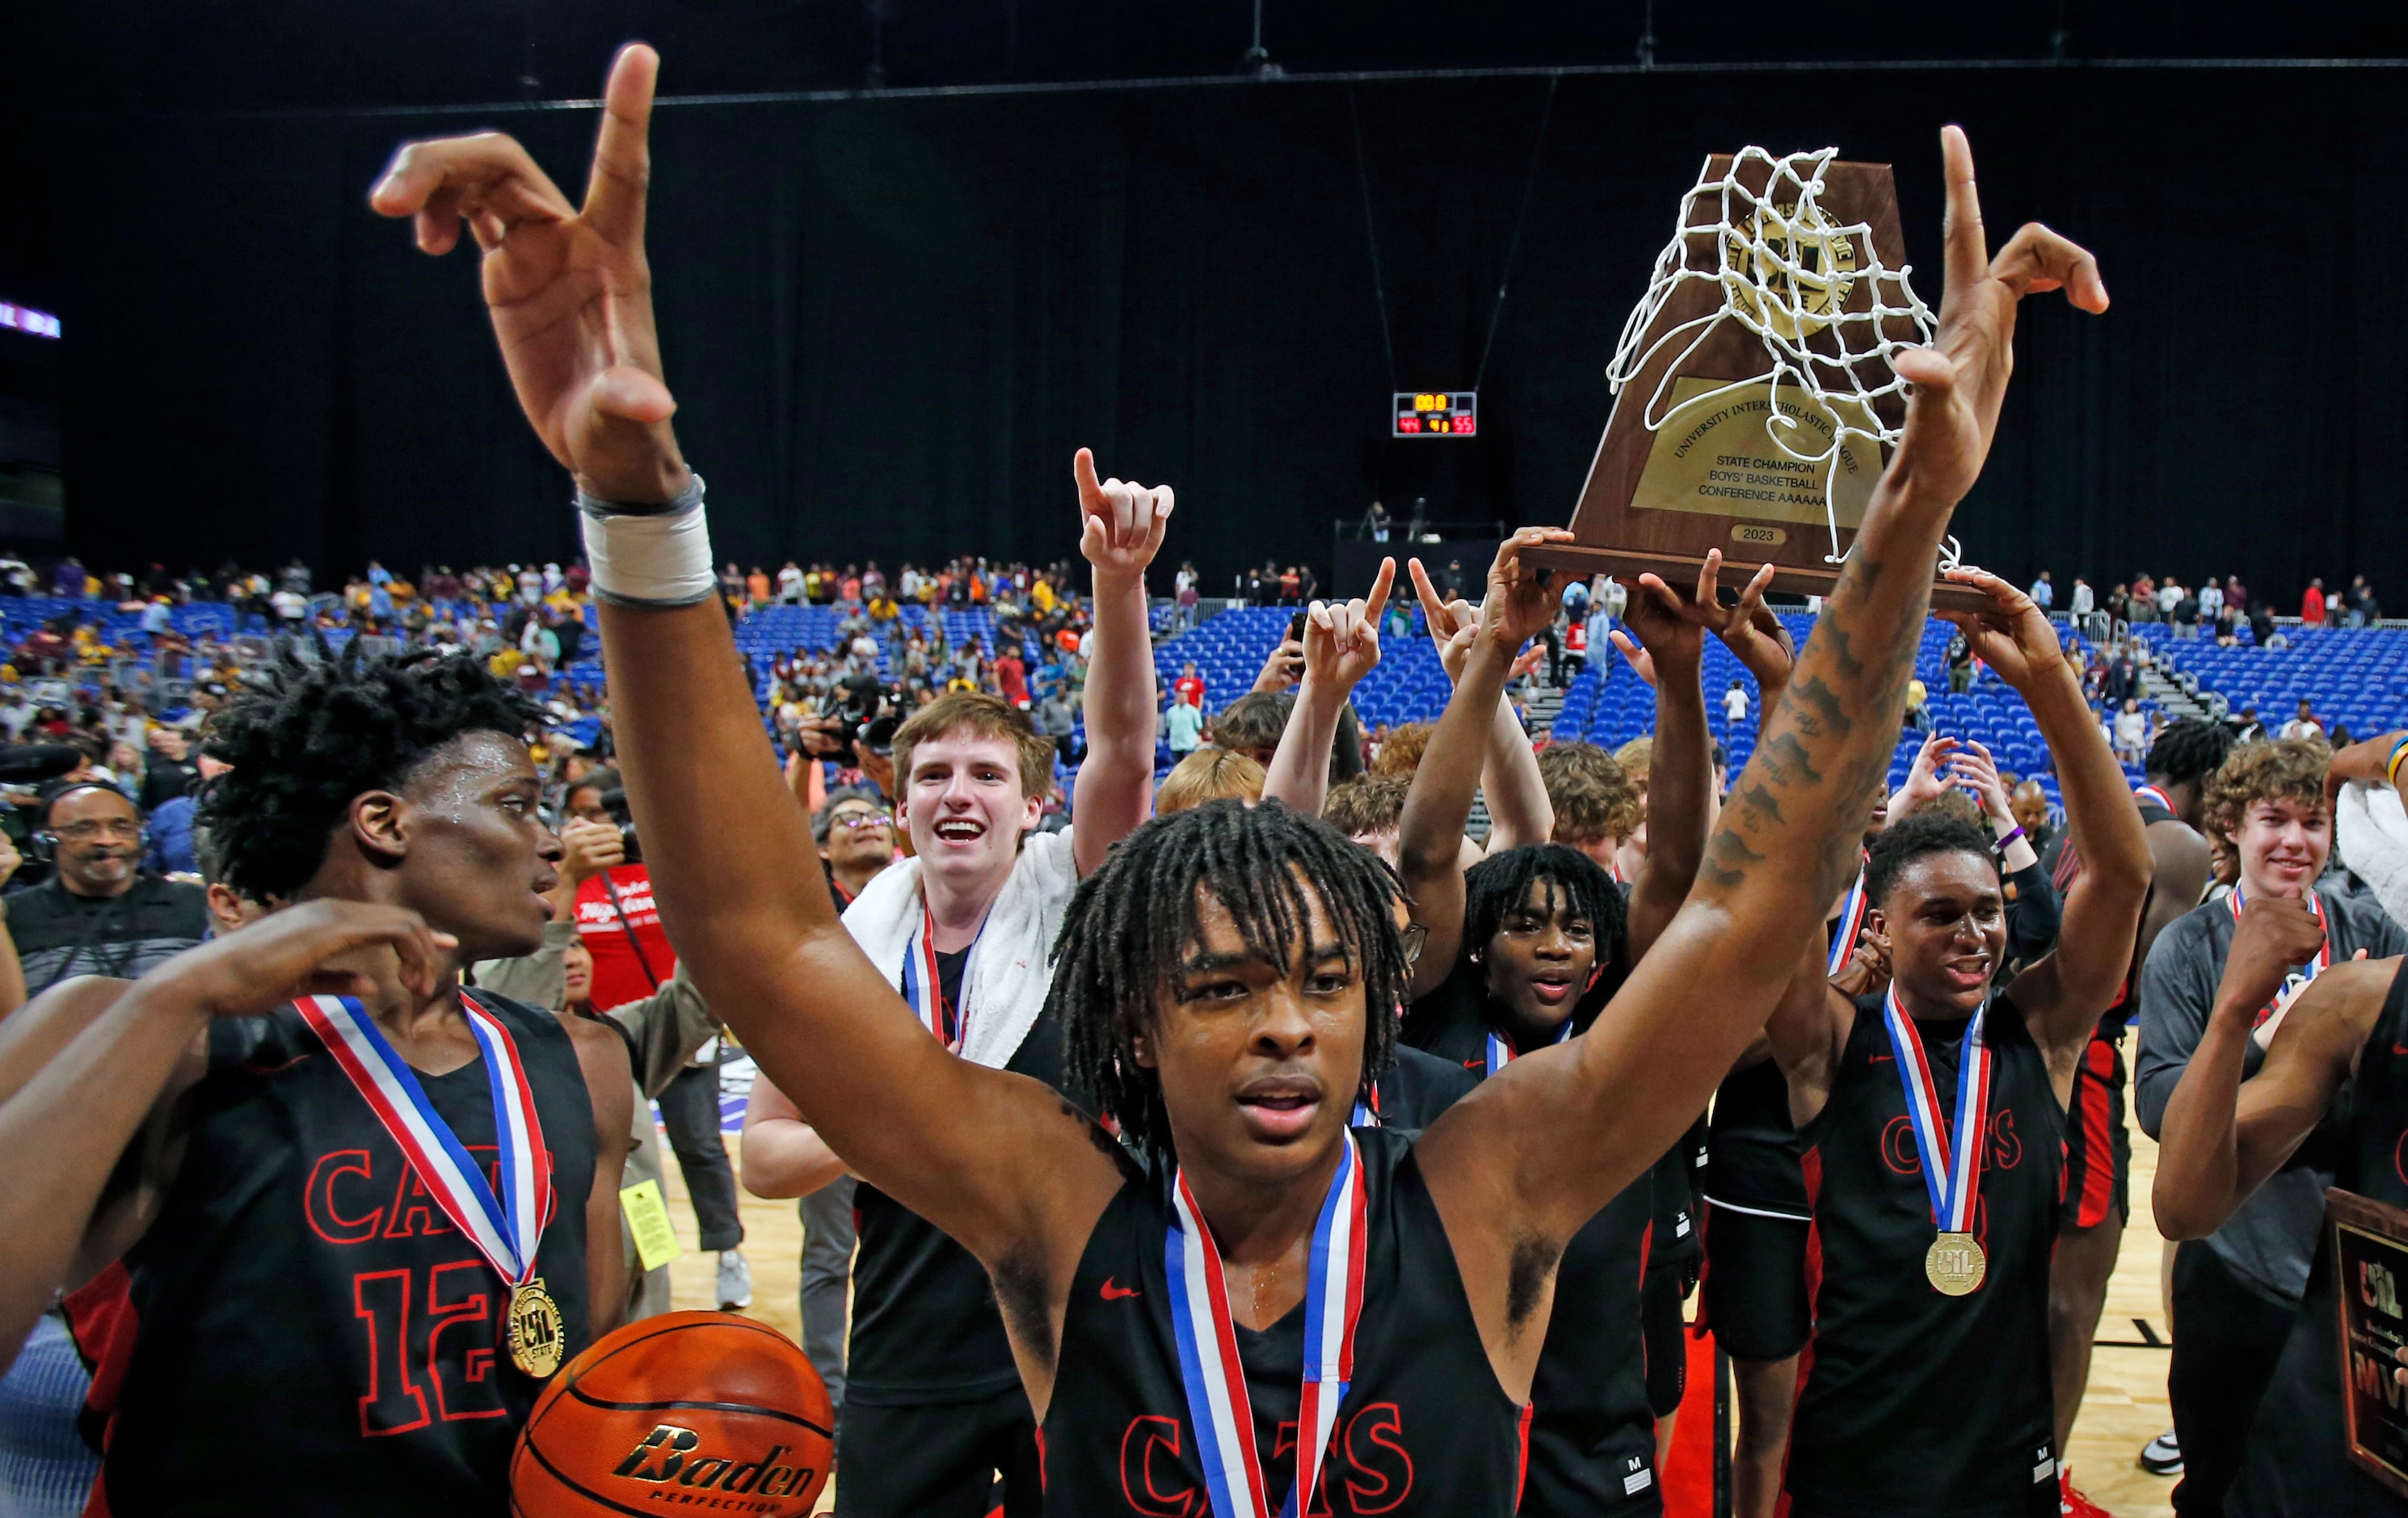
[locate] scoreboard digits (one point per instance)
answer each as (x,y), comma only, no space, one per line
(1435,413)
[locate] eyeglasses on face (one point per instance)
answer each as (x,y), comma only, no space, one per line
(857,821)
(84,833)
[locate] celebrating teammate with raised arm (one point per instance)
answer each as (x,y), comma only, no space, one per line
(1227,977)
(1932,1115)
(2224,1136)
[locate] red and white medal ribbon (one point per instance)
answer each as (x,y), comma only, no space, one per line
(2154,796)
(1846,931)
(2296,981)
(507,1229)
(1952,1174)
(1501,1051)
(1217,1403)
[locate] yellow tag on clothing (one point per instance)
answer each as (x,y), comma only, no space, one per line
(648,1223)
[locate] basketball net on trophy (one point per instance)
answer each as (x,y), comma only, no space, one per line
(1753,381)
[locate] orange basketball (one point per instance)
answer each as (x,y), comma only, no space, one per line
(685,1409)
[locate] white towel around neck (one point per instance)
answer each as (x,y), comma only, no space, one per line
(1011,965)
(2371,829)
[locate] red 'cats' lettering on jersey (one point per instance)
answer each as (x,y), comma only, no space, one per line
(2005,1151)
(1367,1453)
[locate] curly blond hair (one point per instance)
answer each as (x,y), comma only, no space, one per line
(2289,770)
(1592,793)
(1401,750)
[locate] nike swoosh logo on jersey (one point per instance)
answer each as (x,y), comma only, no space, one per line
(1116,1293)
(1474,1065)
(1880,1059)
(2400,1049)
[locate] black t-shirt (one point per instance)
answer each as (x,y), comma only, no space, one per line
(300,1281)
(2294,1461)
(59,933)
(1592,1433)
(925,1327)
(165,779)
(1424,1431)
(1919,1403)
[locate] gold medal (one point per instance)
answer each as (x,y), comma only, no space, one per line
(1955,1264)
(535,1333)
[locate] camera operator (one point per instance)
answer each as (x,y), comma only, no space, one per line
(602,869)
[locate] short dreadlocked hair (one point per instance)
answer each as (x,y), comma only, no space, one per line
(1132,921)
(1921,833)
(306,736)
(1501,882)
(2190,749)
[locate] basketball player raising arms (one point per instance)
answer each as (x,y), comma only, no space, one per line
(354,1226)
(1228,977)
(1932,1115)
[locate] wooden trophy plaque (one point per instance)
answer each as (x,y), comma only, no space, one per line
(2369,1259)
(1710,475)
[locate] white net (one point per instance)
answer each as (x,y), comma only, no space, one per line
(1788,273)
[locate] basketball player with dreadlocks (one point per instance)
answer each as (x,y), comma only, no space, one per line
(1227,977)
(1931,1115)
(2098,1143)
(360,1204)
(1523,951)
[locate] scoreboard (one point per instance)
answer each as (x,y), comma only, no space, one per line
(1435,413)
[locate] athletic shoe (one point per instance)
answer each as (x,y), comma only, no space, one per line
(2071,1503)
(2162,1455)
(734,1280)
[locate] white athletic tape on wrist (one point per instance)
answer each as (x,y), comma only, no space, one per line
(650,559)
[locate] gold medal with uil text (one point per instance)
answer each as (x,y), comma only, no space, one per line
(535,1333)
(1955,1264)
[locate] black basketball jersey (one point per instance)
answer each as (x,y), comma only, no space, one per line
(925,1327)
(2063,864)
(1592,1434)
(1913,1402)
(1424,1430)
(1753,1155)
(2294,1461)
(1412,1091)
(312,1333)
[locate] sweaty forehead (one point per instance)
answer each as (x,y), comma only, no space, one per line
(468,764)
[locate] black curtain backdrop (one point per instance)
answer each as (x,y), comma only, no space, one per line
(889,321)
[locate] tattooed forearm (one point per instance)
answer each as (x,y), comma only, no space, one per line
(1762,806)
(1789,756)
(1816,711)
(1729,859)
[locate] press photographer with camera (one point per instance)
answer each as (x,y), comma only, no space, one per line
(610,893)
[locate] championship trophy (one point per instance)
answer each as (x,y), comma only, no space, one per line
(2369,1245)
(1755,402)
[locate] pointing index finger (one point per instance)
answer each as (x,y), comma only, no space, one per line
(1969,250)
(623,163)
(1377,601)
